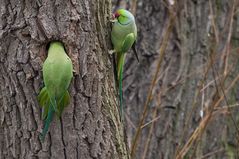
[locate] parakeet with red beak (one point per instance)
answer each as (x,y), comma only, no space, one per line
(123,37)
(57,75)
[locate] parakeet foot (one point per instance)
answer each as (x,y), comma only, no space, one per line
(113,20)
(111,52)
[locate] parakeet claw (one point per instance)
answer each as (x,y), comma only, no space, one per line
(111,52)
(113,20)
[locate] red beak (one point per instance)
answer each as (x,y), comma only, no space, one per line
(116,15)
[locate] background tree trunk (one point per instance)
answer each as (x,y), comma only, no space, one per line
(90,126)
(203,29)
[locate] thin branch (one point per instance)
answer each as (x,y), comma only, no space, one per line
(153,83)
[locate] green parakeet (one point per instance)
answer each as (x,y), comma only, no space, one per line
(123,37)
(57,75)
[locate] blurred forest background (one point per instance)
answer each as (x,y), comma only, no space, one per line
(184,91)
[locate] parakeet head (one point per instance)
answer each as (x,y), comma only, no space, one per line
(124,17)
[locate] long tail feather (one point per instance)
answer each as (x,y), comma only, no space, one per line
(121,92)
(115,71)
(120,57)
(51,105)
(47,123)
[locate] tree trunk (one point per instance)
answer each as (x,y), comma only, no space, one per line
(89,126)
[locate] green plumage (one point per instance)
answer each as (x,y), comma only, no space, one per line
(123,36)
(57,75)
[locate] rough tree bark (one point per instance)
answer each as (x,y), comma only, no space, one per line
(90,126)
(182,73)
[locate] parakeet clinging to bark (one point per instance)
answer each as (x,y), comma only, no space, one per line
(123,37)
(57,75)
